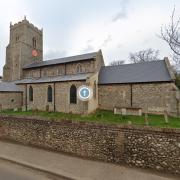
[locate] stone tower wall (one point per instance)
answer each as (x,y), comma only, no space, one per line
(19,50)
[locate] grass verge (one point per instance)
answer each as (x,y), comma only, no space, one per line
(101,116)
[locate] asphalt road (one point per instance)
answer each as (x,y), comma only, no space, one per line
(10,171)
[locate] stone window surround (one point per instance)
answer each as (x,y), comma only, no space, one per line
(30,93)
(73,94)
(50,94)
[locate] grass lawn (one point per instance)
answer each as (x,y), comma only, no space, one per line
(101,116)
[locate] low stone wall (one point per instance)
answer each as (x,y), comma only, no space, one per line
(144,147)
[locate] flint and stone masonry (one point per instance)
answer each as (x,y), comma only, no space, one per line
(145,147)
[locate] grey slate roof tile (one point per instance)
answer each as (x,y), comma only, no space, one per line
(82,57)
(75,77)
(9,87)
(154,71)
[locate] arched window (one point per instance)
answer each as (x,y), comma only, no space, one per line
(73,94)
(17,38)
(49,94)
(79,68)
(30,93)
(34,42)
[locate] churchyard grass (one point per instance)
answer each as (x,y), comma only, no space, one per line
(100,116)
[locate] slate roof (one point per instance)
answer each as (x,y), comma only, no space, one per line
(76,77)
(9,87)
(154,71)
(64,60)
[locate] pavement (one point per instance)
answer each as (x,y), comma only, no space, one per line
(73,168)
(12,171)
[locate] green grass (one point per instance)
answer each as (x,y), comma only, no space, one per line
(100,116)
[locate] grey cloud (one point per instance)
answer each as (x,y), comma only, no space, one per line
(88,48)
(107,40)
(119,46)
(90,40)
(119,15)
(122,14)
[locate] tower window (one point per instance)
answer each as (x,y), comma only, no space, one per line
(30,93)
(34,41)
(17,38)
(49,94)
(73,94)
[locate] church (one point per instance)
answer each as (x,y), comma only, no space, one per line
(33,84)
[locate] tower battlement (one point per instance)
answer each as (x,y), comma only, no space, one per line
(24,22)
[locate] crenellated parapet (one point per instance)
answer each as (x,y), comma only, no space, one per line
(24,22)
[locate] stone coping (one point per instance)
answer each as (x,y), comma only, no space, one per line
(94,125)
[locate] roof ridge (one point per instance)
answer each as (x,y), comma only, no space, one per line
(153,71)
(63,58)
(72,56)
(134,63)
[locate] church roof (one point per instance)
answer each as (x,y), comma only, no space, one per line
(9,87)
(154,71)
(62,78)
(64,60)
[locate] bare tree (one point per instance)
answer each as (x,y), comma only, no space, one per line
(170,33)
(116,63)
(144,55)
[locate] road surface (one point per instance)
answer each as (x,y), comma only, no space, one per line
(10,171)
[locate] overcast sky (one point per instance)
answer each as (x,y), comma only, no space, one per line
(72,27)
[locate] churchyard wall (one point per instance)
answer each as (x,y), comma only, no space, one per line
(144,147)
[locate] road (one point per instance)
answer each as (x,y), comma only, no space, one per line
(10,171)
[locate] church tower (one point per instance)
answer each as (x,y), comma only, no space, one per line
(25,47)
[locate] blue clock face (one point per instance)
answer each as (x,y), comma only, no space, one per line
(84,92)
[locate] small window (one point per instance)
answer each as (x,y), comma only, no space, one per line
(60,71)
(79,68)
(53,73)
(34,42)
(73,94)
(49,94)
(30,74)
(44,73)
(30,93)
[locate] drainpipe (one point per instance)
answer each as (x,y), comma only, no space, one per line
(26,97)
(54,96)
(65,69)
(177,108)
(131,94)
(40,73)
(178,102)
